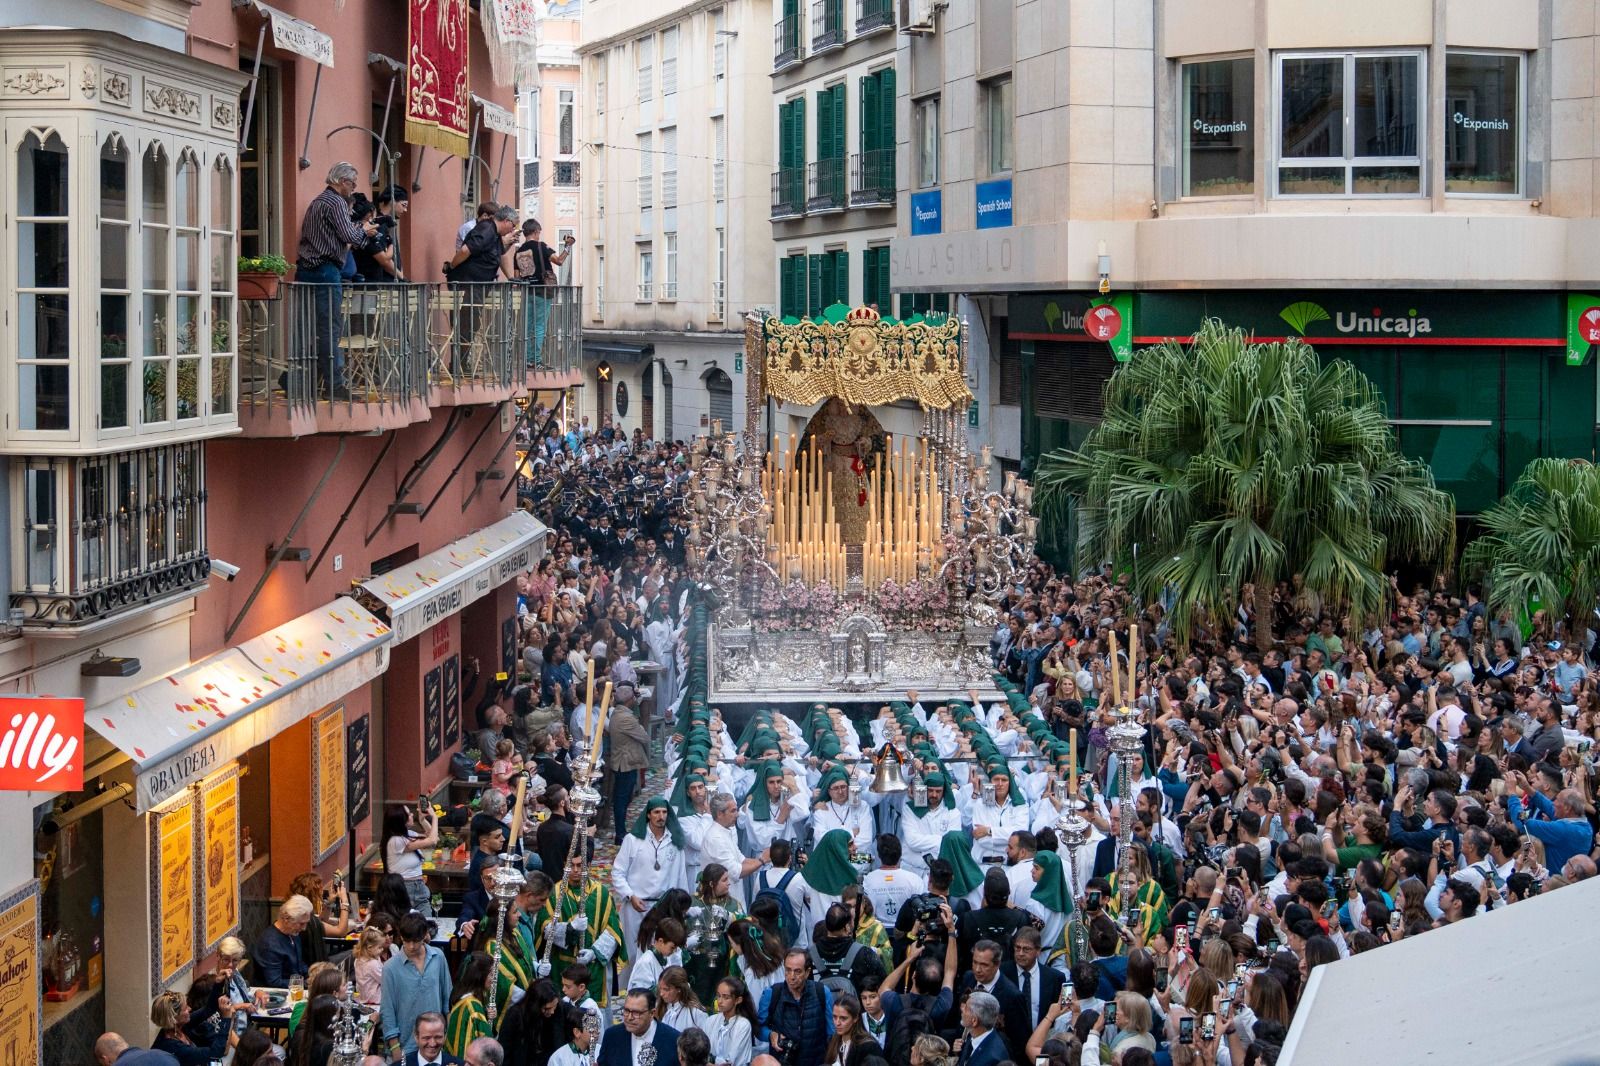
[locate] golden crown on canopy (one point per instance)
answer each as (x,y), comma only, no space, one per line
(859,356)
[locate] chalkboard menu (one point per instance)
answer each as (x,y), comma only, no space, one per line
(358,780)
(508,647)
(452,700)
(433,714)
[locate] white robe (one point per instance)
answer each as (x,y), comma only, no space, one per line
(1002,820)
(634,875)
(855,819)
(922,836)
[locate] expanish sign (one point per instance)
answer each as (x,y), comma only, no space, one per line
(1467,122)
(1211,128)
(41,744)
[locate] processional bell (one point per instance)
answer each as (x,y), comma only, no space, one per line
(889,776)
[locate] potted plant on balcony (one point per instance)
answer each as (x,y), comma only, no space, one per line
(260,275)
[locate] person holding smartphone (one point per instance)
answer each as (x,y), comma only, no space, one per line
(404,839)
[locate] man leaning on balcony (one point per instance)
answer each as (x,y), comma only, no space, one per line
(326,235)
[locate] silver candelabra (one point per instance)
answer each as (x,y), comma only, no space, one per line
(347,1042)
(1073,831)
(1126,739)
(508,881)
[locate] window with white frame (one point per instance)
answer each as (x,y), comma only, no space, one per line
(925,128)
(600,182)
(644,50)
(719,158)
(669,61)
(599,283)
(564,271)
(528,125)
(647,272)
(1349,124)
(42,281)
(1216,127)
(115,294)
(1483,124)
(669,167)
(646,172)
(719,44)
(669,279)
(719,285)
(567,121)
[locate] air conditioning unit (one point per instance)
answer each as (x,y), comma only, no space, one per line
(917,16)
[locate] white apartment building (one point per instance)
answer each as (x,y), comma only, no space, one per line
(677,140)
(833,192)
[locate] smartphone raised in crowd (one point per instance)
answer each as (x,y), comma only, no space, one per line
(1186,1030)
(1111,1013)
(1208,1026)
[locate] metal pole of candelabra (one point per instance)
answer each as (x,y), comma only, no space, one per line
(1126,739)
(508,881)
(1073,830)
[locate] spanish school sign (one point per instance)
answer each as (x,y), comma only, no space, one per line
(1379,317)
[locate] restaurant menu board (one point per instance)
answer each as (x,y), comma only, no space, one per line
(358,781)
(219,862)
(433,714)
(172,901)
(328,811)
(508,647)
(452,701)
(20,1038)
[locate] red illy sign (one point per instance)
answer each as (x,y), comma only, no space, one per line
(41,744)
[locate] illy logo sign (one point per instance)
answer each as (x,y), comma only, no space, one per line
(41,743)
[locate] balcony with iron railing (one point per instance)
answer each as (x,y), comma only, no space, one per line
(872,178)
(827,26)
(788,193)
(364,357)
(786,42)
(825,186)
(874,15)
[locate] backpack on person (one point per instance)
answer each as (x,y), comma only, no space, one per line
(835,976)
(910,1023)
(788,921)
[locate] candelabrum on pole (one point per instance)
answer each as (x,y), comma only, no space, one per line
(508,881)
(348,1047)
(1125,739)
(1073,831)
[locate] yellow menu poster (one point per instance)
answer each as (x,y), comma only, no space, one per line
(19,978)
(174,902)
(328,781)
(219,887)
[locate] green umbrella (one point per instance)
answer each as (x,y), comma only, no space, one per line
(955,850)
(641,824)
(1051,887)
(829,869)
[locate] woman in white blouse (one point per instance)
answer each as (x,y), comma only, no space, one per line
(732,1029)
(676,1003)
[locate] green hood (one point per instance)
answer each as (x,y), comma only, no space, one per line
(829,869)
(1051,888)
(760,802)
(641,824)
(955,850)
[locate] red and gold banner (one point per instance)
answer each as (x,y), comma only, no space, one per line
(438,106)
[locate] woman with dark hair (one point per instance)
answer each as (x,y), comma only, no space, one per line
(531,1032)
(851,1044)
(674,903)
(714,909)
(733,1028)
(392,899)
(1319,950)
(313,1041)
(1247,857)
(402,848)
(469,1018)
(757,955)
(254,1049)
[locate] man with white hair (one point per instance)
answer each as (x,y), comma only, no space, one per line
(277,954)
(326,236)
(981,1045)
(485,1051)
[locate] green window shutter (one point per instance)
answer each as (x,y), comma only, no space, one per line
(885,295)
(791,9)
(841,278)
(785,117)
(941,302)
(869,113)
(869,277)
(797,132)
(814,286)
(824,125)
(886,132)
(838,123)
(826,299)
(786,287)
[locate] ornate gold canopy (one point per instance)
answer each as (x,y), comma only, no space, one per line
(863,358)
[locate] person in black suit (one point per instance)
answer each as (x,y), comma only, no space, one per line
(639,1026)
(429,1031)
(981,1044)
(1038,984)
(985,976)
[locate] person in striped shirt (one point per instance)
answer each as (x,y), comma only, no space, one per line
(327,234)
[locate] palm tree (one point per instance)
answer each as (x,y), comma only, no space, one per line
(1238,464)
(1542,542)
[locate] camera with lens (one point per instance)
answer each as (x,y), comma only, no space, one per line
(928,910)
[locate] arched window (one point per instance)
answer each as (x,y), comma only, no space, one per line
(115,294)
(43,280)
(719,392)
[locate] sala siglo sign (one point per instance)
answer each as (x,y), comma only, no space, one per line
(41,744)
